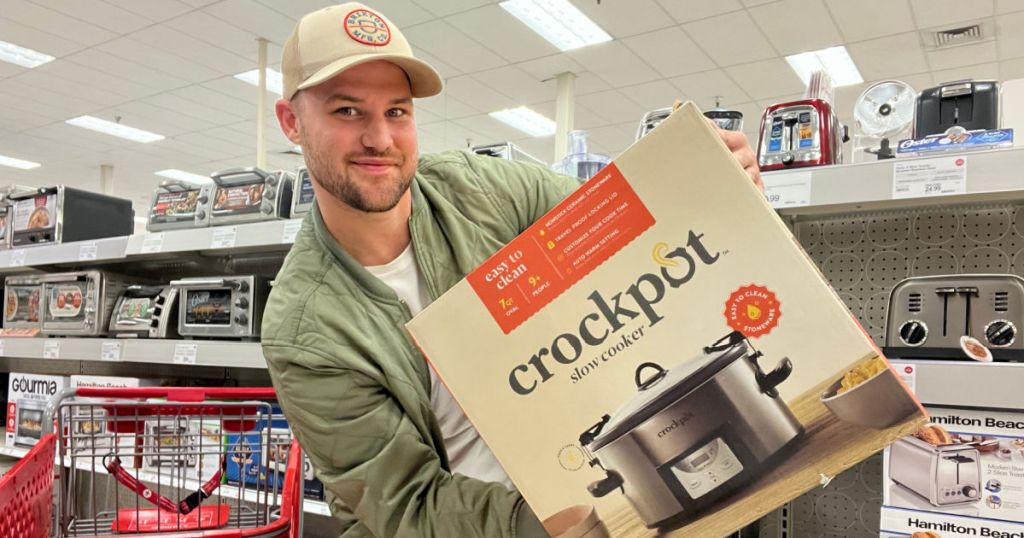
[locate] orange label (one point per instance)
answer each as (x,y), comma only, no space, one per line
(561,248)
(753,310)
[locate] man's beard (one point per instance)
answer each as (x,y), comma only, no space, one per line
(345,189)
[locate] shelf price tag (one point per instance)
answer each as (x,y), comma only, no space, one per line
(2,347)
(920,178)
(152,243)
(111,351)
(87,251)
(791,189)
(224,237)
(18,257)
(51,349)
(291,229)
(185,353)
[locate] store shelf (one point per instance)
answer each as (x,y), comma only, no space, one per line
(991,175)
(198,352)
(966,383)
(83,252)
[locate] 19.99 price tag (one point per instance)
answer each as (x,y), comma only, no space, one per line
(790,189)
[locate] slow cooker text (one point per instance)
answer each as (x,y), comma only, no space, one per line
(609,316)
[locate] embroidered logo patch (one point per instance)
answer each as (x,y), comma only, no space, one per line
(367,28)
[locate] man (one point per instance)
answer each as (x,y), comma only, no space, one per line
(389,233)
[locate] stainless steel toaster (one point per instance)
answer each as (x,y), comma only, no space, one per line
(943,474)
(927,315)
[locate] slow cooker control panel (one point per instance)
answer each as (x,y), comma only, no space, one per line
(707,468)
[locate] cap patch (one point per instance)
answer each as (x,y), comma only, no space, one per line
(367,28)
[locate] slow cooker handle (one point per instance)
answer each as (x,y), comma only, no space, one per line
(650,381)
(768,382)
(611,482)
(725,342)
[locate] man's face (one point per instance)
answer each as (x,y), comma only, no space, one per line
(358,135)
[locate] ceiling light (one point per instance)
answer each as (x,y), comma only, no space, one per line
(835,61)
(114,129)
(11,53)
(526,120)
(275,83)
(17,163)
(558,21)
(174,173)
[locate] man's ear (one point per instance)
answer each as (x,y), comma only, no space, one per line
(288,120)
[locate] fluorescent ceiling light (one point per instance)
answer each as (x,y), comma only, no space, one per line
(275,82)
(835,61)
(11,53)
(174,173)
(526,120)
(17,163)
(558,21)
(114,129)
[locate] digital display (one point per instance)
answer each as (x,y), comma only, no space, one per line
(22,303)
(64,301)
(239,199)
(700,460)
(35,213)
(305,188)
(171,206)
(208,307)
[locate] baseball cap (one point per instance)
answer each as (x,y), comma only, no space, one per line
(333,39)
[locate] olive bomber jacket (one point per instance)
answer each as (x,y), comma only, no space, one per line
(355,389)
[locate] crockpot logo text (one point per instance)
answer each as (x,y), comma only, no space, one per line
(676,423)
(609,316)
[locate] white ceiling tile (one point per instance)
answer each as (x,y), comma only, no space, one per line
(101,14)
(447,107)
(516,83)
(154,10)
(477,95)
(987,71)
(79,74)
(1011,70)
(443,8)
(53,22)
(424,116)
(962,56)
(707,87)
(196,109)
(815,31)
(8,70)
(1009,34)
(115,65)
(403,13)
(44,83)
(919,81)
(782,99)
(226,148)
(868,19)
(443,40)
(932,13)
(584,118)
(168,64)
(230,86)
(614,63)
(624,19)
(613,106)
(204,27)
(35,39)
(766,78)
(446,70)
(730,39)
(550,66)
(255,18)
(698,9)
(47,104)
(172,37)
(586,82)
(653,95)
(502,33)
(751,3)
(889,56)
(211,98)
(492,130)
(1007,6)
(670,51)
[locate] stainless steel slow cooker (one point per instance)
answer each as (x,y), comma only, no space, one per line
(694,434)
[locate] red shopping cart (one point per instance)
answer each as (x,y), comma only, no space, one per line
(196,462)
(26,493)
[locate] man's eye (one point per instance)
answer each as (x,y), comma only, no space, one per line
(346,111)
(396,112)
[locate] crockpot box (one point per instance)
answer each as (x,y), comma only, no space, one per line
(661,348)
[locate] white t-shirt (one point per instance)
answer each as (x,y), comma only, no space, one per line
(467,453)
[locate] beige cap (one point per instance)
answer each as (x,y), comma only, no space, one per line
(331,40)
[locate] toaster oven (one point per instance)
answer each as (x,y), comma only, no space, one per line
(180,204)
(80,302)
(29,427)
(170,443)
(64,214)
(145,312)
(302,193)
(943,474)
(22,296)
(250,195)
(800,133)
(221,307)
(6,216)
(927,315)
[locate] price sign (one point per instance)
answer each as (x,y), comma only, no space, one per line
(185,353)
(87,251)
(111,351)
(940,176)
(1,347)
(790,189)
(18,258)
(291,229)
(153,243)
(224,237)
(51,349)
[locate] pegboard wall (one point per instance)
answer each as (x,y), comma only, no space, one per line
(863,255)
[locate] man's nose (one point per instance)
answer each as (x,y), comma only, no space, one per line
(377,134)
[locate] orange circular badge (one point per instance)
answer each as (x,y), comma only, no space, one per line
(367,28)
(752,310)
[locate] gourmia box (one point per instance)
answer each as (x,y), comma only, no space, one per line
(27,395)
(658,350)
(962,475)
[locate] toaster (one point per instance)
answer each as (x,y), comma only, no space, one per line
(927,315)
(180,204)
(968,104)
(145,312)
(250,195)
(945,475)
(800,133)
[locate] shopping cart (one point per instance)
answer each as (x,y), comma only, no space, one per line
(26,493)
(209,462)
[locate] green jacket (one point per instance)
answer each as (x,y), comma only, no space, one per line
(355,389)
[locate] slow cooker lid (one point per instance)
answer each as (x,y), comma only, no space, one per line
(678,382)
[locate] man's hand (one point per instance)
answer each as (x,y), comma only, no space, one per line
(740,148)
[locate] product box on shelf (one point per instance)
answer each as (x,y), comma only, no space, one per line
(27,395)
(660,350)
(92,432)
(962,475)
(177,448)
(258,458)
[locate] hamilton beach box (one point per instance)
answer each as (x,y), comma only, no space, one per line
(661,353)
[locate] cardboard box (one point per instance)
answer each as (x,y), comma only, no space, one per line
(973,486)
(256,463)
(92,433)
(658,346)
(27,395)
